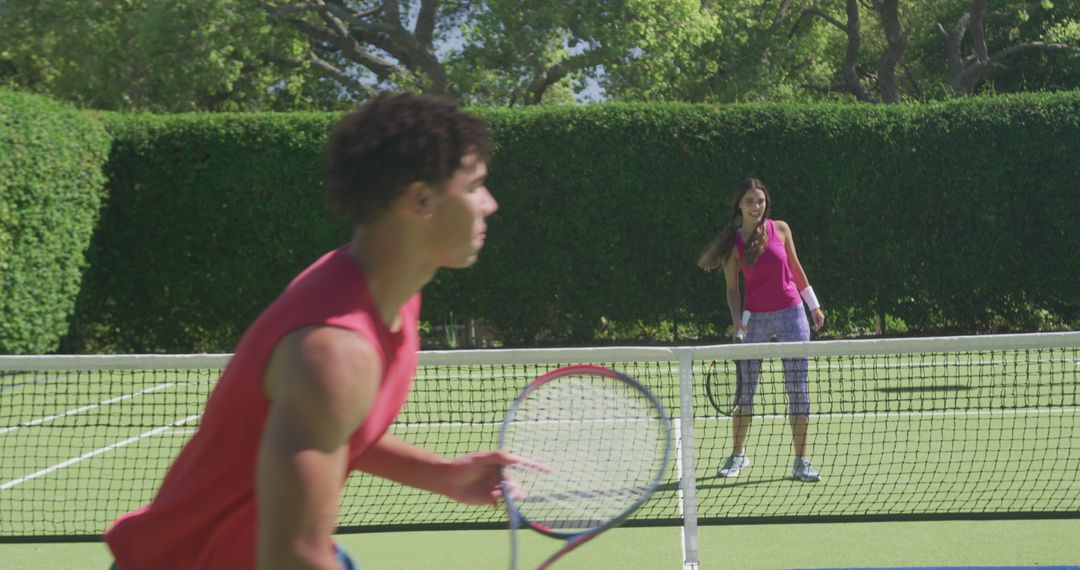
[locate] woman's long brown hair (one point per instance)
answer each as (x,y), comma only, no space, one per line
(717,252)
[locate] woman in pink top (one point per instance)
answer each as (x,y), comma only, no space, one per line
(776,287)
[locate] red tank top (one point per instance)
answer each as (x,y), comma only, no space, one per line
(203,516)
(770,285)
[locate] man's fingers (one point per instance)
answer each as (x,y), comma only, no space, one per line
(505,458)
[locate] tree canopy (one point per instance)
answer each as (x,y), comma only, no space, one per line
(221,55)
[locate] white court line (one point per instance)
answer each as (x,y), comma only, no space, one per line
(1034,411)
(82,409)
(407,427)
(96,452)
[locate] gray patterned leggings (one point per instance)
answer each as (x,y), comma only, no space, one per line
(787,325)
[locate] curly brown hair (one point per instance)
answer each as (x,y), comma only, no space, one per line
(395,140)
(717,252)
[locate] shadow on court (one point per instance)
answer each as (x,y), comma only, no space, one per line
(718,482)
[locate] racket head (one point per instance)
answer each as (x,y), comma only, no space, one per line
(605,441)
(721,389)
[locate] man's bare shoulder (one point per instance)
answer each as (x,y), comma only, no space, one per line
(326,366)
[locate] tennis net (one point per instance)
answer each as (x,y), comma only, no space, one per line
(957,427)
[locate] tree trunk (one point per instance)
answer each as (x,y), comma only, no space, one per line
(965,73)
(851,58)
(897,43)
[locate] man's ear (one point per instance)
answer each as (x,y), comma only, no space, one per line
(419,197)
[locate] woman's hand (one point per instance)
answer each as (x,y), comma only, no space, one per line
(819,318)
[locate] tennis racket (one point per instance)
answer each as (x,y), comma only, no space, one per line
(604,441)
(722,390)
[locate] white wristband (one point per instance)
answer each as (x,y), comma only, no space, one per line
(739,336)
(810,298)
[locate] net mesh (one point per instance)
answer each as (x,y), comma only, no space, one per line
(903,428)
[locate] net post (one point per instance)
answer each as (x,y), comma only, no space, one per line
(685,461)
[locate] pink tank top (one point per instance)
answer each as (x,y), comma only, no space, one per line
(770,285)
(204,513)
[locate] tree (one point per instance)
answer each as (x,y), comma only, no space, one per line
(970,52)
(504,52)
(154,55)
(220,55)
(328,54)
(866,86)
(371,37)
(868,50)
(736,52)
(967,71)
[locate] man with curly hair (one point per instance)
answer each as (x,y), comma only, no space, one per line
(318,378)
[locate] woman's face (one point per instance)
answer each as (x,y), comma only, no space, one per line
(752,206)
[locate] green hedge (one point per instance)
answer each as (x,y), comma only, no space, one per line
(209,217)
(955,216)
(51,160)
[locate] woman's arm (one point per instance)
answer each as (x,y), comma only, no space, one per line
(801,281)
(734,299)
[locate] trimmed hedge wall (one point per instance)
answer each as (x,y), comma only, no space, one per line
(953,216)
(957,215)
(208,218)
(51,160)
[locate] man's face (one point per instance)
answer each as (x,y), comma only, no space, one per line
(458,230)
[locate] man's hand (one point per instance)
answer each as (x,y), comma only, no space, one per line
(474,479)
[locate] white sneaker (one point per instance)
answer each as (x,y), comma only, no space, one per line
(733,465)
(803,471)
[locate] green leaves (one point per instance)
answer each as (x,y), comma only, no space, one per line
(152,55)
(51,185)
(252,55)
(603,212)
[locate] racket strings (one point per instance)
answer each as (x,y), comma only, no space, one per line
(602,441)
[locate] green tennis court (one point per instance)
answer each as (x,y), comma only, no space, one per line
(749,547)
(899,434)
